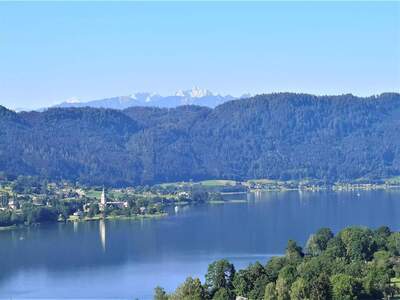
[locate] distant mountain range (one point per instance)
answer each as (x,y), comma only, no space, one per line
(196,96)
(278,136)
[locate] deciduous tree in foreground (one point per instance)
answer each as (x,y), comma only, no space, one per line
(357,263)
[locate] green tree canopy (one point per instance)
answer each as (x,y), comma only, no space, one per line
(191,289)
(299,290)
(270,292)
(345,287)
(160,294)
(319,241)
(220,274)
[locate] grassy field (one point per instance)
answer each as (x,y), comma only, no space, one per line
(93,194)
(206,183)
(217,183)
(393,180)
(174,184)
(264,181)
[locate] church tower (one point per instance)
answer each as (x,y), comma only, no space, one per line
(103,200)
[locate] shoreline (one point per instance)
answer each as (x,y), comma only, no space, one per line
(11,227)
(73,219)
(332,188)
(233,201)
(98,218)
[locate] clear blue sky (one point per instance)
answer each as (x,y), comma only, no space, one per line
(50,52)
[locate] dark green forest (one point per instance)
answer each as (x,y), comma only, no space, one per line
(357,263)
(278,136)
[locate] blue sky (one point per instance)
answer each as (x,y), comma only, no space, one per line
(53,51)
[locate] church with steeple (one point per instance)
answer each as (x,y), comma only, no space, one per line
(104,203)
(103,200)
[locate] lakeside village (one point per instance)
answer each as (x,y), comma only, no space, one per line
(28,200)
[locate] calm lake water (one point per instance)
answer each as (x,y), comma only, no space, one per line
(127,259)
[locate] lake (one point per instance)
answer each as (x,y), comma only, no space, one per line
(127,259)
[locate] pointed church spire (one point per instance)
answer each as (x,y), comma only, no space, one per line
(103,200)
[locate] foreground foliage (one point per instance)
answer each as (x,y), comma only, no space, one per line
(357,263)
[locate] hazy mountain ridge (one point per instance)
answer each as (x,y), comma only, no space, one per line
(196,96)
(286,136)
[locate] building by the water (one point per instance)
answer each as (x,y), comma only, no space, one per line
(104,203)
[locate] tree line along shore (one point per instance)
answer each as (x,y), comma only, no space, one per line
(28,200)
(356,263)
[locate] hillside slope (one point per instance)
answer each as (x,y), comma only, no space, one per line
(286,136)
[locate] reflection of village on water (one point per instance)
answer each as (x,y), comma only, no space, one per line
(102,229)
(102,232)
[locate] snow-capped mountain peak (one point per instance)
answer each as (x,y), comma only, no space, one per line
(199,93)
(73,100)
(195,92)
(195,96)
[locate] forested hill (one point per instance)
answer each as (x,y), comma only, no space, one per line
(285,136)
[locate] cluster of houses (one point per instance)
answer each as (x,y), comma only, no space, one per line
(105,203)
(14,202)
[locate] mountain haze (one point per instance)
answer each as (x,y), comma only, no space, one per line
(196,96)
(281,136)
